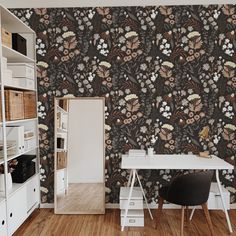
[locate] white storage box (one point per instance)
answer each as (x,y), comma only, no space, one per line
(21,70)
(16,134)
(135,218)
(136,201)
(4,63)
(30,143)
(23,82)
(7,77)
(214,200)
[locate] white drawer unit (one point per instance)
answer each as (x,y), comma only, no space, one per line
(61,181)
(134,218)
(17,209)
(21,70)
(136,201)
(3,219)
(32,193)
(214,200)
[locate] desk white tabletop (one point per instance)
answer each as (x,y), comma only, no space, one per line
(175,162)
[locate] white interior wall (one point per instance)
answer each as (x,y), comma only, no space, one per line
(92,3)
(85,141)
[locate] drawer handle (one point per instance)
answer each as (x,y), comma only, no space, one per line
(132,203)
(3,222)
(131,220)
(11,214)
(34,189)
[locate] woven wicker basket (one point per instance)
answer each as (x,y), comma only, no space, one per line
(14,105)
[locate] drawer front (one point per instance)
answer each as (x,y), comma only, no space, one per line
(17,209)
(133,204)
(214,201)
(3,219)
(60,181)
(133,221)
(32,193)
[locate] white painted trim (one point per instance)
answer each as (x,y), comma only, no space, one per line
(111,3)
(154,206)
(46,205)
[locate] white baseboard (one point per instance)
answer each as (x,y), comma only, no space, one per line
(117,206)
(46,205)
(151,206)
(154,206)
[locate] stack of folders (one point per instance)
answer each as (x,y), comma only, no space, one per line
(137,153)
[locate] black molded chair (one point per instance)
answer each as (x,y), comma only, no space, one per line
(188,190)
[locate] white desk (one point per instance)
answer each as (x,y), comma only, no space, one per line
(173,162)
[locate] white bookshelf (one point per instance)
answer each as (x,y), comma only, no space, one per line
(27,192)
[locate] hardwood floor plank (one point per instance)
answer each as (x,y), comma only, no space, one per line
(43,222)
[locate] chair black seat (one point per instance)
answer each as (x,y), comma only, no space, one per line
(188,190)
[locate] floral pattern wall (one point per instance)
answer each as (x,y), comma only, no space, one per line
(166,72)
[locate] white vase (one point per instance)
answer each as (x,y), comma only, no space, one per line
(150,152)
(9,182)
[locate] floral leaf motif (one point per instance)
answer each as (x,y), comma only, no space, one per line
(70,43)
(228,72)
(165,134)
(195,43)
(165,10)
(103,10)
(228,134)
(133,43)
(165,72)
(103,72)
(133,105)
(228,10)
(41,73)
(40,11)
(195,105)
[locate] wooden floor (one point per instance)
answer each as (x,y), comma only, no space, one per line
(44,223)
(82,198)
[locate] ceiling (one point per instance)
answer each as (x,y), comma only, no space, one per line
(94,3)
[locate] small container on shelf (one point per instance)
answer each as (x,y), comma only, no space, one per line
(21,70)
(61,160)
(15,134)
(14,105)
(30,140)
(6,38)
(19,43)
(24,169)
(30,109)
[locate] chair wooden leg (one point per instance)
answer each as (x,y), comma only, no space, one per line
(187,215)
(159,210)
(208,218)
(182,222)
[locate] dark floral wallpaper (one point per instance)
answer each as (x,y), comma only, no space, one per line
(167,74)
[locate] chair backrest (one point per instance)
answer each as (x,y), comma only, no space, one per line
(191,189)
